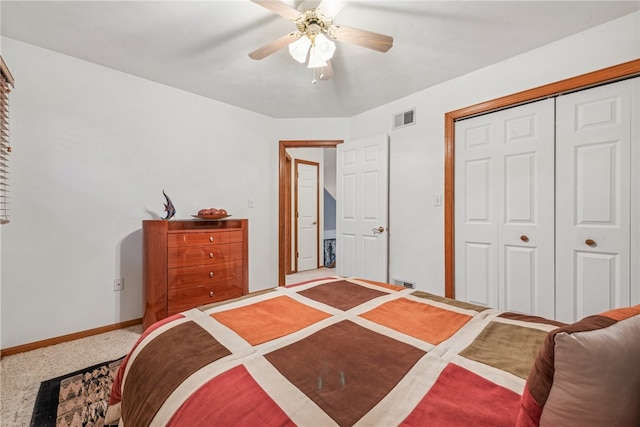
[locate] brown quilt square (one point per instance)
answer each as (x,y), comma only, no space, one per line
(177,353)
(341,294)
(341,369)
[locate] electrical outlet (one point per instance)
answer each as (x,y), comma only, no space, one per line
(118,284)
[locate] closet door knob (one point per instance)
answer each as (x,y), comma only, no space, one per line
(590,242)
(524,238)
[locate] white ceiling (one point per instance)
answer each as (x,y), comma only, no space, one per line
(202,46)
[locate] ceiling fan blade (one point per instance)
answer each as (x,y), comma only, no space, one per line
(326,72)
(280,8)
(273,47)
(330,8)
(363,38)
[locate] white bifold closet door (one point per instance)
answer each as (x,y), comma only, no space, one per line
(593,199)
(504,198)
(546,204)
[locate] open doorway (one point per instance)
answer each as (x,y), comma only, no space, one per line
(284,200)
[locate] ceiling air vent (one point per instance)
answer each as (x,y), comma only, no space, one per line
(404,119)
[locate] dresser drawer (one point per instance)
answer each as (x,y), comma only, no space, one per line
(204,275)
(203,255)
(189,263)
(187,298)
(203,238)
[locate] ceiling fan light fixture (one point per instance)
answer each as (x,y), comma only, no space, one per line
(321,51)
(315,59)
(315,35)
(299,49)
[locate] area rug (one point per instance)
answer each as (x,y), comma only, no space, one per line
(77,399)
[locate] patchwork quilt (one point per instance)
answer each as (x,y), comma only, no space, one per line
(331,352)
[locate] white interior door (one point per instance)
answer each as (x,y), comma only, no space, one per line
(362,208)
(504,204)
(306,196)
(593,199)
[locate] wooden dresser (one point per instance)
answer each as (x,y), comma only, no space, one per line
(188,263)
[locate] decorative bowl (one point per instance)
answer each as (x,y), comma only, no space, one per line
(211,216)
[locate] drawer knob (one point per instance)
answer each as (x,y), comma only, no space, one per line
(211,274)
(210,254)
(211,238)
(211,294)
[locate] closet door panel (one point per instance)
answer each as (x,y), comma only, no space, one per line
(593,269)
(597,178)
(480,270)
(520,182)
(476,216)
(593,157)
(526,210)
(504,209)
(520,278)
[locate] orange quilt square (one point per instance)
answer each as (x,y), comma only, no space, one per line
(422,321)
(622,313)
(269,319)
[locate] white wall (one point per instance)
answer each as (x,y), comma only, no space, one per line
(313,129)
(330,170)
(417,152)
(93,150)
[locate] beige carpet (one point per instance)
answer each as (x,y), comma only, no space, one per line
(21,374)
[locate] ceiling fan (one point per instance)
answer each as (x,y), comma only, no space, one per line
(315,35)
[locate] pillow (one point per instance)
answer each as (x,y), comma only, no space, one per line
(587,374)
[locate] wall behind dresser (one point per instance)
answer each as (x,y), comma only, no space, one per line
(93,150)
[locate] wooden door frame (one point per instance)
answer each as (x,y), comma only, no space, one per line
(318,224)
(584,81)
(282,172)
(287,214)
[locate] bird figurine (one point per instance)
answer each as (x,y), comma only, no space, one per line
(168,207)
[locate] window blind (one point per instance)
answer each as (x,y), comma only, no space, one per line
(6,83)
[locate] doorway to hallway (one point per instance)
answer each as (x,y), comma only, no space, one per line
(284,200)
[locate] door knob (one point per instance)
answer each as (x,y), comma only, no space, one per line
(590,242)
(378,230)
(524,238)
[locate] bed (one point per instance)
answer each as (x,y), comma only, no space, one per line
(346,351)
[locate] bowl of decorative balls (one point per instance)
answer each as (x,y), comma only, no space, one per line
(211,213)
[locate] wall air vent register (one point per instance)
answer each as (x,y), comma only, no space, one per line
(405,118)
